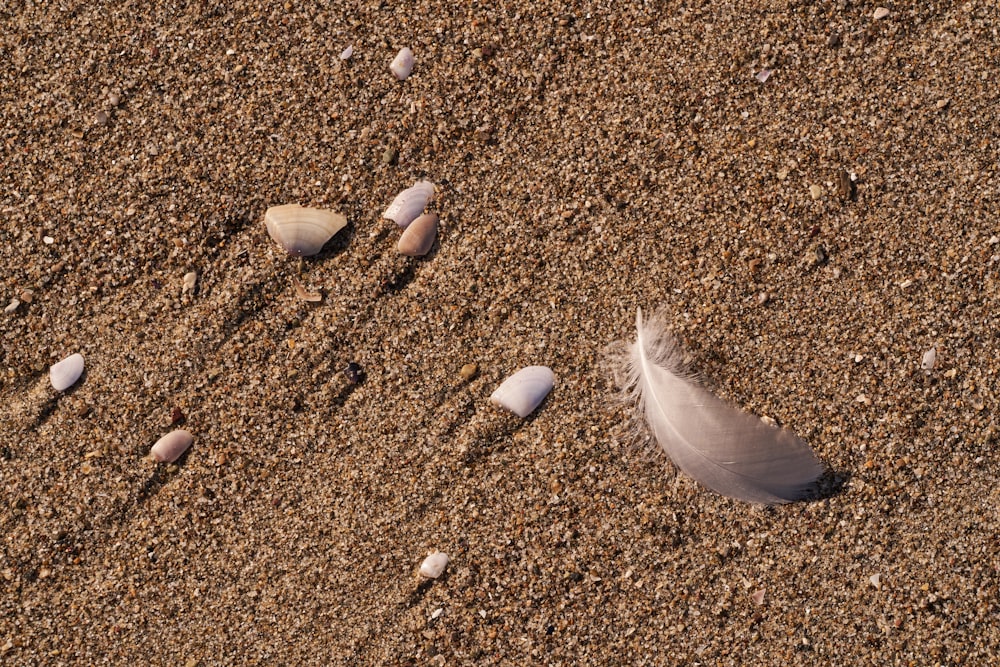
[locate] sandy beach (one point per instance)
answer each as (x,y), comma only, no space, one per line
(807,192)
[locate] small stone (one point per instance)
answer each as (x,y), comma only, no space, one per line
(834,41)
(101,118)
(845,186)
(758,597)
(347,53)
(763,75)
(469,371)
(48,240)
(941,104)
(876,581)
(763,298)
(114,99)
(12,306)
(433,566)
(354,373)
(880,13)
(815,191)
(390,156)
(190,281)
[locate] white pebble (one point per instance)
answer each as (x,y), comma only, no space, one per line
(347,53)
(48,240)
(190,281)
(12,306)
(434,565)
(402,64)
(881,13)
(65,373)
(170,447)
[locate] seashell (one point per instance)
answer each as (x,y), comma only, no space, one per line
(758,597)
(434,565)
(300,230)
(190,281)
(929,360)
(419,235)
(65,373)
(523,391)
(409,203)
(347,53)
(402,64)
(880,13)
(170,447)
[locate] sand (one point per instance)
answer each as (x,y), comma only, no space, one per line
(808,238)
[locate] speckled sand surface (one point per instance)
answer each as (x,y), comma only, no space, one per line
(589,158)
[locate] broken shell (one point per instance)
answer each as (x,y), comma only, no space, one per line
(419,235)
(304,294)
(434,565)
(409,203)
(301,230)
(758,597)
(65,373)
(402,64)
(523,391)
(347,53)
(170,447)
(929,359)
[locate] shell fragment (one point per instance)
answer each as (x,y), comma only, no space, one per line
(402,64)
(409,203)
(300,230)
(434,565)
(524,391)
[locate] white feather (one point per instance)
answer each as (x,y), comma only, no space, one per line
(731,452)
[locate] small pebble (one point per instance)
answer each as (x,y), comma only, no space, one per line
(815,191)
(101,118)
(12,306)
(434,565)
(114,99)
(758,597)
(880,13)
(390,156)
(468,371)
(876,581)
(27,295)
(190,281)
(354,373)
(347,53)
(763,75)
(763,298)
(48,240)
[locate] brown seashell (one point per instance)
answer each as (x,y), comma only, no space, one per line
(418,237)
(170,447)
(300,230)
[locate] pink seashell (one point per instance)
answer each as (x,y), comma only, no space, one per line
(169,448)
(758,597)
(409,203)
(418,237)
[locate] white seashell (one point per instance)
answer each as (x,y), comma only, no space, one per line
(876,581)
(190,281)
(418,237)
(12,306)
(929,359)
(347,53)
(434,565)
(65,373)
(409,203)
(170,447)
(402,64)
(301,230)
(523,391)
